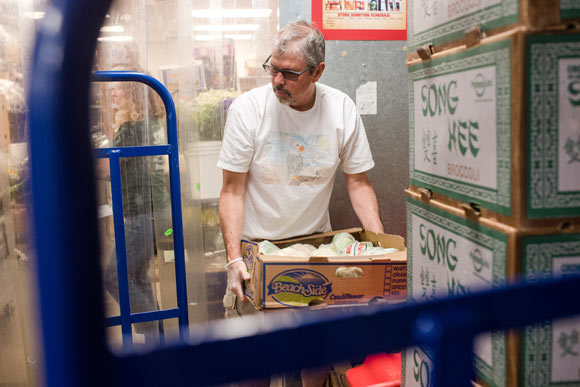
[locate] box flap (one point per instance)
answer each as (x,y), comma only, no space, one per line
(384,240)
(317,239)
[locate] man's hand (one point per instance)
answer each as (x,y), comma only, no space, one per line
(237,274)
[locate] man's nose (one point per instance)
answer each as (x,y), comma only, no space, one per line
(279,79)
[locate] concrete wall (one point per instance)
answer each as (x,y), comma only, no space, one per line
(350,64)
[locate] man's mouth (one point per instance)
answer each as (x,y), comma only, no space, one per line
(283,95)
(281,91)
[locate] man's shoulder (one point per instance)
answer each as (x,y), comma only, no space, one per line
(332,94)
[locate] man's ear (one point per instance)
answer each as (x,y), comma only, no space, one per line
(318,71)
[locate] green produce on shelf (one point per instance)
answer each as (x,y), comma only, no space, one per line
(209,111)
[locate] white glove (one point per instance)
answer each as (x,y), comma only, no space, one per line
(237,274)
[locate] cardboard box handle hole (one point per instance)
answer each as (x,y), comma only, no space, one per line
(349,272)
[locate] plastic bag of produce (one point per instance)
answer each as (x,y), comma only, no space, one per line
(268,248)
(341,240)
(325,251)
(291,252)
(305,248)
(357,248)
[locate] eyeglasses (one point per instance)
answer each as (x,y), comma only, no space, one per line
(288,74)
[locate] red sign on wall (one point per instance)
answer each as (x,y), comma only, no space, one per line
(361,20)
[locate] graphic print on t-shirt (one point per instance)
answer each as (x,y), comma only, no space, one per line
(289,159)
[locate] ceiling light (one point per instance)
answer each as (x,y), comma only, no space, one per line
(37,15)
(122,38)
(226,27)
(115,28)
(232,13)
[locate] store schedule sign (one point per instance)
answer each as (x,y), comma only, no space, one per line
(361,20)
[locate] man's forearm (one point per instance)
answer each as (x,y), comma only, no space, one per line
(364,202)
(231,212)
(367,210)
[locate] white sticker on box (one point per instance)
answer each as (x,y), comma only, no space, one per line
(569,125)
(455,126)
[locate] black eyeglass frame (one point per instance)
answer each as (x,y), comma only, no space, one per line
(285,73)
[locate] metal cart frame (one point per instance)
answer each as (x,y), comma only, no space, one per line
(65,224)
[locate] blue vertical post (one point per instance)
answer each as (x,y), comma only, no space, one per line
(120,249)
(64,196)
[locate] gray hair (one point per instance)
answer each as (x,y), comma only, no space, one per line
(301,38)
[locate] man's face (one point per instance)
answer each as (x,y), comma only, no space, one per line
(298,94)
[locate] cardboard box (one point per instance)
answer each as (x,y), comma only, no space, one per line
(449,254)
(551,348)
(496,125)
(569,9)
(282,282)
(440,25)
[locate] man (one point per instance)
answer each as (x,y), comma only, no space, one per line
(282,146)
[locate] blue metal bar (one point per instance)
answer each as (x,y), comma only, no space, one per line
(280,342)
(121,249)
(135,151)
(64,210)
(144,317)
(449,348)
(172,150)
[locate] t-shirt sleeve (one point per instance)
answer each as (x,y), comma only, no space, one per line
(355,155)
(238,142)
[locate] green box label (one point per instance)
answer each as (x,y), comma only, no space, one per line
(551,350)
(460,140)
(417,367)
(450,256)
(553,126)
(569,9)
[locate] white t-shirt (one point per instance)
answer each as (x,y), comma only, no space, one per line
(291,158)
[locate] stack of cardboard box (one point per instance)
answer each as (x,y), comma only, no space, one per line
(494,112)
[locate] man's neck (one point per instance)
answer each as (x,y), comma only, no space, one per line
(309,105)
